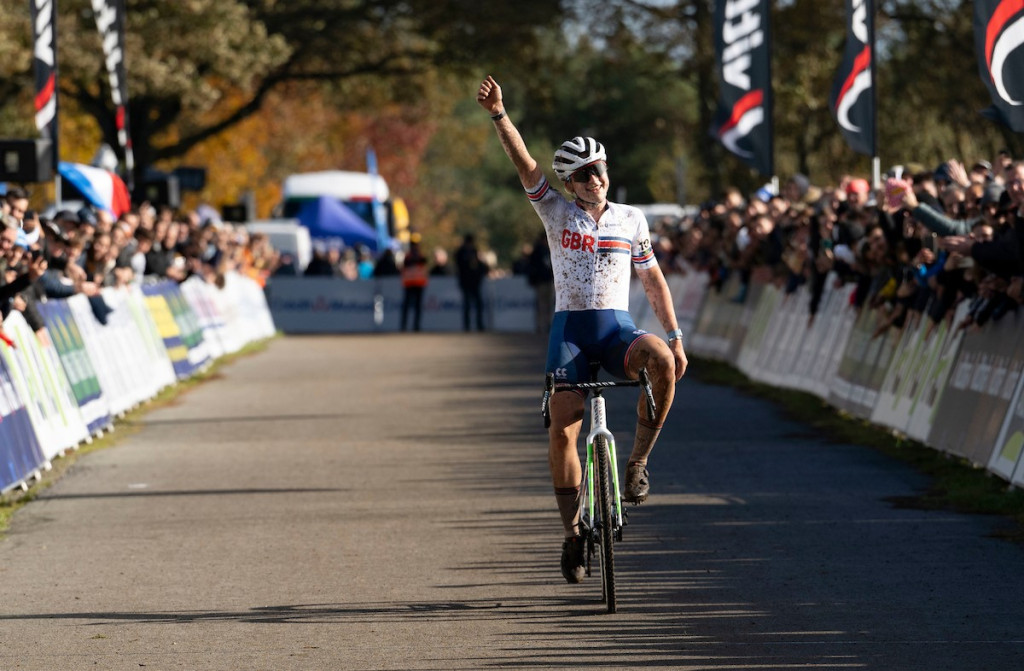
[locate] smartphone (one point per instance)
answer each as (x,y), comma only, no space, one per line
(894,189)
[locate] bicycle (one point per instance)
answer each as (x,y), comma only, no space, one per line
(602,516)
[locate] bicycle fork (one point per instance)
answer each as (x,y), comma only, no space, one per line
(599,427)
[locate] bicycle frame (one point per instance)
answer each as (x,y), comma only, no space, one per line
(599,427)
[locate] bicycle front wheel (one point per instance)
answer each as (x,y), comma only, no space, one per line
(607,525)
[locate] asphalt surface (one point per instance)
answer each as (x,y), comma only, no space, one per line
(383,502)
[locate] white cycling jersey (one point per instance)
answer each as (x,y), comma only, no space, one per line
(591,261)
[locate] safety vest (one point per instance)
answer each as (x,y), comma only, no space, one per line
(414,274)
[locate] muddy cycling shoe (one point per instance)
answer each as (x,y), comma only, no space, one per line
(638,483)
(574,564)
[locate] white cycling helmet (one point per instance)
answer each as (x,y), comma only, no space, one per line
(576,153)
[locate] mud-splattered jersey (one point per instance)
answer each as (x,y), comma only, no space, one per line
(591,261)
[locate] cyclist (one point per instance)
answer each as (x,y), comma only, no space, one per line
(592,242)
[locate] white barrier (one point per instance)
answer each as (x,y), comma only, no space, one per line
(335,305)
(59,387)
(40,380)
(956,391)
(962,392)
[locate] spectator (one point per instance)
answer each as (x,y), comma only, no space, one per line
(320,265)
(16,272)
(472,270)
(349,266)
(365,262)
(541,277)
(414,283)
(16,203)
(440,267)
(386,265)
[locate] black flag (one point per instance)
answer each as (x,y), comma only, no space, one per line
(853,93)
(742,49)
(110,21)
(998,32)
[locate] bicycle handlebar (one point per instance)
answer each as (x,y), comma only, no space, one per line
(550,387)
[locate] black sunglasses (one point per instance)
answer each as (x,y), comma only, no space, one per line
(582,176)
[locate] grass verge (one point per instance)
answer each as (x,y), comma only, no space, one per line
(124,426)
(954,483)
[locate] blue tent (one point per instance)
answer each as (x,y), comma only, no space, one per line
(329,219)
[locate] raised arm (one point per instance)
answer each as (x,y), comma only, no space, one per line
(489,97)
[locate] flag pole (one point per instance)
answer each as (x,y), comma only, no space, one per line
(55,139)
(770,112)
(876,161)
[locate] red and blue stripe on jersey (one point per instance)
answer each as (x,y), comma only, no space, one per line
(614,245)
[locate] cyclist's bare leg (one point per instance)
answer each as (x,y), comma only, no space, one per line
(563,456)
(653,354)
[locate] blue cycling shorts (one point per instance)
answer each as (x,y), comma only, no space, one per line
(579,337)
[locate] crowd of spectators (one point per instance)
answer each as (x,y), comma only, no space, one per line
(83,251)
(913,248)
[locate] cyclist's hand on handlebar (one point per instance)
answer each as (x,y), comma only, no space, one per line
(680,357)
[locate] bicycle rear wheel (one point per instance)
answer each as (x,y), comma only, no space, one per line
(607,526)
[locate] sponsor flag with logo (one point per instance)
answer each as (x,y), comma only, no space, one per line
(110,22)
(853,93)
(44,60)
(743,123)
(998,37)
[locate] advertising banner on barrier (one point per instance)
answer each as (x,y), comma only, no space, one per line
(40,380)
(812,358)
(141,368)
(334,305)
(917,375)
(134,317)
(20,452)
(863,365)
(687,289)
(244,304)
(935,376)
(182,338)
(85,385)
(688,293)
(1006,456)
(105,355)
(724,319)
(509,303)
(188,323)
(980,388)
(761,335)
(196,293)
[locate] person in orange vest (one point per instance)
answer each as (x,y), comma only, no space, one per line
(414,282)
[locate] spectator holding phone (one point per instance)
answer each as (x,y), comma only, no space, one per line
(17,273)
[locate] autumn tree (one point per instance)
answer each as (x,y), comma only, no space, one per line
(198,68)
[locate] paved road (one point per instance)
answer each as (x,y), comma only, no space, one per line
(383,503)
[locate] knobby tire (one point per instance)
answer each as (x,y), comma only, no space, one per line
(607,527)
